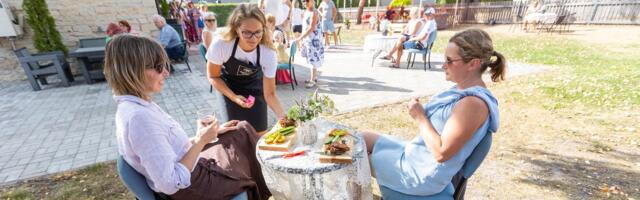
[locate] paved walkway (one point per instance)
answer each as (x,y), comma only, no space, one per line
(64,128)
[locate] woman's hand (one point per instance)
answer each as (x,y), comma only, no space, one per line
(228,126)
(415,109)
(207,131)
(241,101)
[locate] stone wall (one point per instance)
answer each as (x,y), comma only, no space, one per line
(77,19)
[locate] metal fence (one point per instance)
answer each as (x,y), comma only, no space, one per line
(576,11)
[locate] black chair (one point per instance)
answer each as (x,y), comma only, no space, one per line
(185,55)
(35,70)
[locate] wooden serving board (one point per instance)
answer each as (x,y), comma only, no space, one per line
(284,146)
(347,157)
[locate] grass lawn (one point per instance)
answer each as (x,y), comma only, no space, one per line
(569,133)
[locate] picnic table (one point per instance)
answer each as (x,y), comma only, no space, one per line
(304,177)
(83,54)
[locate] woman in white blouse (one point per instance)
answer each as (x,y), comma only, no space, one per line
(218,163)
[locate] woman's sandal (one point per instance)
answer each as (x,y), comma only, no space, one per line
(386,58)
(310,84)
(394,66)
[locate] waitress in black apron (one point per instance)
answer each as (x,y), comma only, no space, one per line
(243,63)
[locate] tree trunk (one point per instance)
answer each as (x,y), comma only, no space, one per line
(360,10)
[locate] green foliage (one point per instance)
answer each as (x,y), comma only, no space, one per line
(45,35)
(17,193)
(591,75)
(446,1)
(223,11)
(312,107)
(400,3)
(164,8)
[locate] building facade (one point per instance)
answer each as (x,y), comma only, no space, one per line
(75,19)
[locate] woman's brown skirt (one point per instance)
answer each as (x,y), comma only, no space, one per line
(227,168)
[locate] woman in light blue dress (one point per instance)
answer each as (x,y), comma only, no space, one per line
(450,125)
(311,38)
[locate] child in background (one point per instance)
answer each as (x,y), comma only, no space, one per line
(282,75)
(278,41)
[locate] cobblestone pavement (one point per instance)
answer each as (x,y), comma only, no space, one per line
(63,128)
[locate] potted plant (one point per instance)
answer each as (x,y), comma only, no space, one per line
(304,111)
(314,106)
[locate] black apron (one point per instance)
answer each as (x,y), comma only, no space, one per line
(245,79)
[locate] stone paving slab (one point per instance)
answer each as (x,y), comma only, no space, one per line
(64,128)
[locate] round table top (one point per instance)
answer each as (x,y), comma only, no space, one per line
(309,163)
(379,42)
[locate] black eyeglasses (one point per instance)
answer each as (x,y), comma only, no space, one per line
(210,20)
(249,34)
(454,60)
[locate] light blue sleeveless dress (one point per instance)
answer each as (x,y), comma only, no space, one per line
(410,168)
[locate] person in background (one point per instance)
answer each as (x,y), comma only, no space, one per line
(311,39)
(243,65)
(219,162)
(329,13)
(201,18)
(271,26)
(124,25)
(451,124)
(192,24)
(282,75)
(209,31)
(112,30)
(534,12)
(414,25)
(169,38)
(418,41)
(296,20)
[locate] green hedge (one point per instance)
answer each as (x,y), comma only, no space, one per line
(223,11)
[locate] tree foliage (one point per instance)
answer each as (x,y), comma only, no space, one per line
(45,35)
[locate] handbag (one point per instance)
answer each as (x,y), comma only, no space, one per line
(419,45)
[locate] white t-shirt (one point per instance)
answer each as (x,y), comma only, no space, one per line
(429,27)
(220,51)
(296,16)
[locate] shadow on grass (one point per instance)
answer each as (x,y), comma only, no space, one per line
(98,181)
(576,177)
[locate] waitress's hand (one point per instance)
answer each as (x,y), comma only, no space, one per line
(241,101)
(415,109)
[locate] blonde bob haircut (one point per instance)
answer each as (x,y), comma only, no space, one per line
(126,59)
(248,11)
